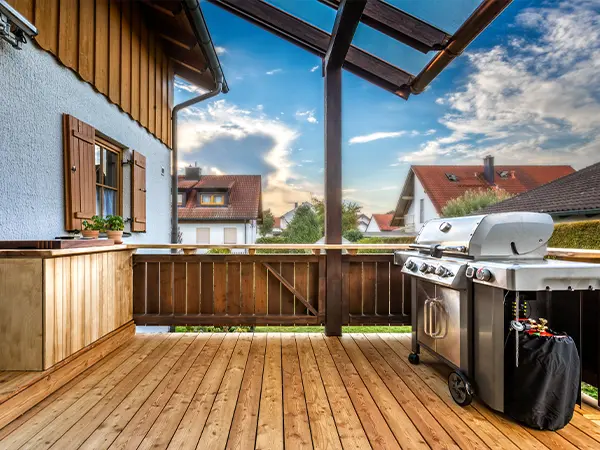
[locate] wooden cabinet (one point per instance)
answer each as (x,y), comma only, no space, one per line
(59,302)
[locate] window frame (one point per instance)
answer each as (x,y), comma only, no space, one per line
(118,151)
(183,199)
(212,199)
(225,235)
(203,228)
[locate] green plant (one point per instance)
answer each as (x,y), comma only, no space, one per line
(472,201)
(304,227)
(114,223)
(97,224)
(219,251)
(276,240)
(353,235)
(386,240)
(268,221)
(584,235)
(350,213)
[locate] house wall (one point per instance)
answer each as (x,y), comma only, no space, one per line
(108,44)
(372,227)
(217,231)
(414,212)
(36,91)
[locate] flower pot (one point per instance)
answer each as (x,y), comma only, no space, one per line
(90,234)
(116,236)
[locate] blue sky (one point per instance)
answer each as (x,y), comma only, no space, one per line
(526,91)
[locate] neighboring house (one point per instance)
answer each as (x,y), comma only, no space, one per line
(363,222)
(86,108)
(218,209)
(574,197)
(427,189)
(287,218)
(276,226)
(380,223)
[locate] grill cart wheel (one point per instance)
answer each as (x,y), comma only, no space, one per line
(460,389)
(413,358)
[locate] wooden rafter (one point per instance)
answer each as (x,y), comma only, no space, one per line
(315,40)
(346,21)
(400,25)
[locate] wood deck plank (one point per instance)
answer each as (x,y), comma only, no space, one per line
(245,419)
(379,433)
(129,370)
(142,418)
(427,425)
(29,424)
(126,397)
(295,415)
(349,427)
(322,426)
(190,429)
(269,432)
(492,437)
(168,420)
(216,431)
(403,428)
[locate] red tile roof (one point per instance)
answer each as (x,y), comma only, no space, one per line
(244,198)
(276,222)
(383,222)
(520,179)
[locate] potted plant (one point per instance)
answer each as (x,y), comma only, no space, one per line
(92,229)
(114,228)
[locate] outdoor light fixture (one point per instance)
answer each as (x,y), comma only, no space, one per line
(14,28)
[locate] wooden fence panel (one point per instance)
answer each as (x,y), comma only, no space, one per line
(263,289)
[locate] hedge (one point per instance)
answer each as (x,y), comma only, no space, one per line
(385,240)
(585,235)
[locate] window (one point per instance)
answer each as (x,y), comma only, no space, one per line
(230,236)
(202,235)
(180,199)
(422,210)
(452,177)
(212,199)
(504,174)
(108,178)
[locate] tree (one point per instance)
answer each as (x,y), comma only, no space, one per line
(304,227)
(266,227)
(353,235)
(472,201)
(350,213)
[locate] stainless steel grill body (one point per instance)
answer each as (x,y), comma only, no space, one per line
(465,270)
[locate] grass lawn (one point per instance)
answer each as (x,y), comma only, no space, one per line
(589,390)
(298,329)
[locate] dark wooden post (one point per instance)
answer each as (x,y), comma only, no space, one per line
(346,21)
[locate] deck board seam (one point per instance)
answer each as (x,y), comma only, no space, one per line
(312,441)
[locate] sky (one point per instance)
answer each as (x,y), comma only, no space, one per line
(526,91)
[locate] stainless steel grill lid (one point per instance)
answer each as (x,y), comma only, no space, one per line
(492,236)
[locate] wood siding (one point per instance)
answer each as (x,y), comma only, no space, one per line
(85,298)
(109,45)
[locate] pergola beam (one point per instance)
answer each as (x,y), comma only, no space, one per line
(346,21)
(400,25)
(316,41)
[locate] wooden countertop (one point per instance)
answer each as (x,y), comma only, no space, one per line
(62,252)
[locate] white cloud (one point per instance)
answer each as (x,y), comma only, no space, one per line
(307,161)
(309,116)
(535,101)
(220,50)
(223,120)
(375,136)
(185,86)
(314,68)
(274,71)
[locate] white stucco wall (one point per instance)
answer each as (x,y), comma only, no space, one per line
(217,231)
(372,227)
(35,91)
(414,209)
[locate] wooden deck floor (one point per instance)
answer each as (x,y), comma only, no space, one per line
(272,392)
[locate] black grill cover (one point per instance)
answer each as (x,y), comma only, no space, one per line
(543,390)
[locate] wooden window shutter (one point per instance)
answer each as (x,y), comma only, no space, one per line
(138,193)
(80,172)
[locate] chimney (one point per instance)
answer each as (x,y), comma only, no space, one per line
(296,205)
(488,169)
(192,173)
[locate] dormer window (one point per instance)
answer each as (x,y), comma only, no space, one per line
(181,199)
(504,174)
(212,199)
(452,177)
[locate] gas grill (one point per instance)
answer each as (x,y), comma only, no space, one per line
(470,276)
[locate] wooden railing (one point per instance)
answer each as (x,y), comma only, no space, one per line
(265,289)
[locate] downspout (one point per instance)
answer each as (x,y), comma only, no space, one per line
(196,18)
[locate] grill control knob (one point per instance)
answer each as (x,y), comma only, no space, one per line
(441,271)
(484,274)
(424,267)
(410,265)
